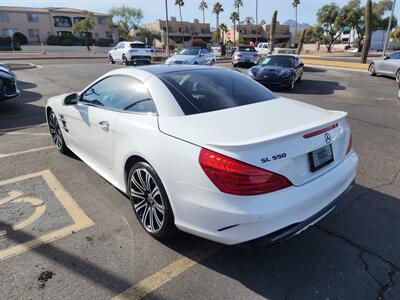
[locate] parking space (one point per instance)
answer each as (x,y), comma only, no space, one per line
(65,233)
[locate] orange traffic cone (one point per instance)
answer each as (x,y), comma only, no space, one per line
(94,49)
(43,49)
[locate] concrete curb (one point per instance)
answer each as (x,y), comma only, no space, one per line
(16,67)
(336,64)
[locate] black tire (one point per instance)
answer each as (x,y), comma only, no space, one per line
(398,75)
(299,79)
(291,86)
(55,132)
(234,65)
(111,59)
(150,201)
(196,63)
(212,62)
(125,60)
(371,70)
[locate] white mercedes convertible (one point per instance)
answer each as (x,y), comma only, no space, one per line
(209,151)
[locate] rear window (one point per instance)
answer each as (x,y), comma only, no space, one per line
(199,91)
(246,49)
(134,45)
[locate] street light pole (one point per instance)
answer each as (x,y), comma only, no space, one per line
(388,29)
(166,24)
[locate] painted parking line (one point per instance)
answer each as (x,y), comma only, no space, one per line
(79,218)
(27,133)
(4,155)
(173,270)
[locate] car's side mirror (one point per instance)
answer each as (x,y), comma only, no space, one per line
(115,48)
(71,99)
(386,57)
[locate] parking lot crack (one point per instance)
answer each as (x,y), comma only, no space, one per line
(366,268)
(390,284)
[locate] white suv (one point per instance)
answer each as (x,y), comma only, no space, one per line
(130,52)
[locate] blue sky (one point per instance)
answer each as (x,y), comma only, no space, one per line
(154,9)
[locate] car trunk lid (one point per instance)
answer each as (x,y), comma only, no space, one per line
(269,135)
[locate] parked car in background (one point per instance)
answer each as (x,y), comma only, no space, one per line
(8,44)
(388,65)
(193,56)
(280,70)
(245,55)
(285,51)
(263,48)
(131,52)
(237,162)
(8,84)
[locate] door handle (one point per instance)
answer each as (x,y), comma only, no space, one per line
(104,125)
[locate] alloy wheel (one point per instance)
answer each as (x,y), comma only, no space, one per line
(147,200)
(55,131)
(371,70)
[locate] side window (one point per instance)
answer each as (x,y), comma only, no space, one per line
(204,51)
(120,93)
(395,55)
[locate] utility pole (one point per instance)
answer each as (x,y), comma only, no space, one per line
(166,25)
(256,22)
(388,30)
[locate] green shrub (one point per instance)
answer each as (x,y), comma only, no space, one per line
(53,40)
(68,42)
(104,42)
(20,38)
(159,58)
(83,41)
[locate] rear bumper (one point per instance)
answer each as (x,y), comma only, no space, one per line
(294,229)
(230,219)
(140,58)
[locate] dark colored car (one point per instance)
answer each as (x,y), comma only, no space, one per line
(8,44)
(8,84)
(278,71)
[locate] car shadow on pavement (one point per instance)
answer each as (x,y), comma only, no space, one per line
(329,260)
(314,69)
(317,87)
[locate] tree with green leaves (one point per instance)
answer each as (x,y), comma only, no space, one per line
(84,27)
(295,3)
(272,31)
(237,4)
(329,25)
(301,41)
(234,17)
(368,32)
(224,29)
(126,18)
(217,9)
(203,6)
(180,3)
(146,36)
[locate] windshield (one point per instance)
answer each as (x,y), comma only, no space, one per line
(199,91)
(279,61)
(189,51)
(246,49)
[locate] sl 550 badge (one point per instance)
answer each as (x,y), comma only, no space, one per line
(273,157)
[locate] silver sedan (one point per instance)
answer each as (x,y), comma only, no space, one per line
(245,55)
(388,65)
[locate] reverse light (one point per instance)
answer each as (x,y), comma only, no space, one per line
(238,178)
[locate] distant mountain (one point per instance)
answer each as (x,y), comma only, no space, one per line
(292,24)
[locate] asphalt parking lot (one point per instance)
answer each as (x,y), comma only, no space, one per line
(65,233)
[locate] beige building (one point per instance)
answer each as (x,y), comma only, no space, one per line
(193,33)
(246,33)
(37,24)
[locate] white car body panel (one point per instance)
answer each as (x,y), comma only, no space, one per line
(171,143)
(263,48)
(200,59)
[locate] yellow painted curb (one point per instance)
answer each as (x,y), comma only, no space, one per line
(336,64)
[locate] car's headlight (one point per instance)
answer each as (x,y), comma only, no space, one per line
(252,72)
(287,74)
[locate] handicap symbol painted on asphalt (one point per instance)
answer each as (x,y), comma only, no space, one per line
(17,197)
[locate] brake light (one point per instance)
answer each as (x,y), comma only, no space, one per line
(350,145)
(319,131)
(238,178)
(238,55)
(255,55)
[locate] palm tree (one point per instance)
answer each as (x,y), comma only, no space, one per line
(203,6)
(224,29)
(237,4)
(295,3)
(234,17)
(217,9)
(180,3)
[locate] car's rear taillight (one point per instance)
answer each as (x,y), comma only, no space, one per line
(238,178)
(350,144)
